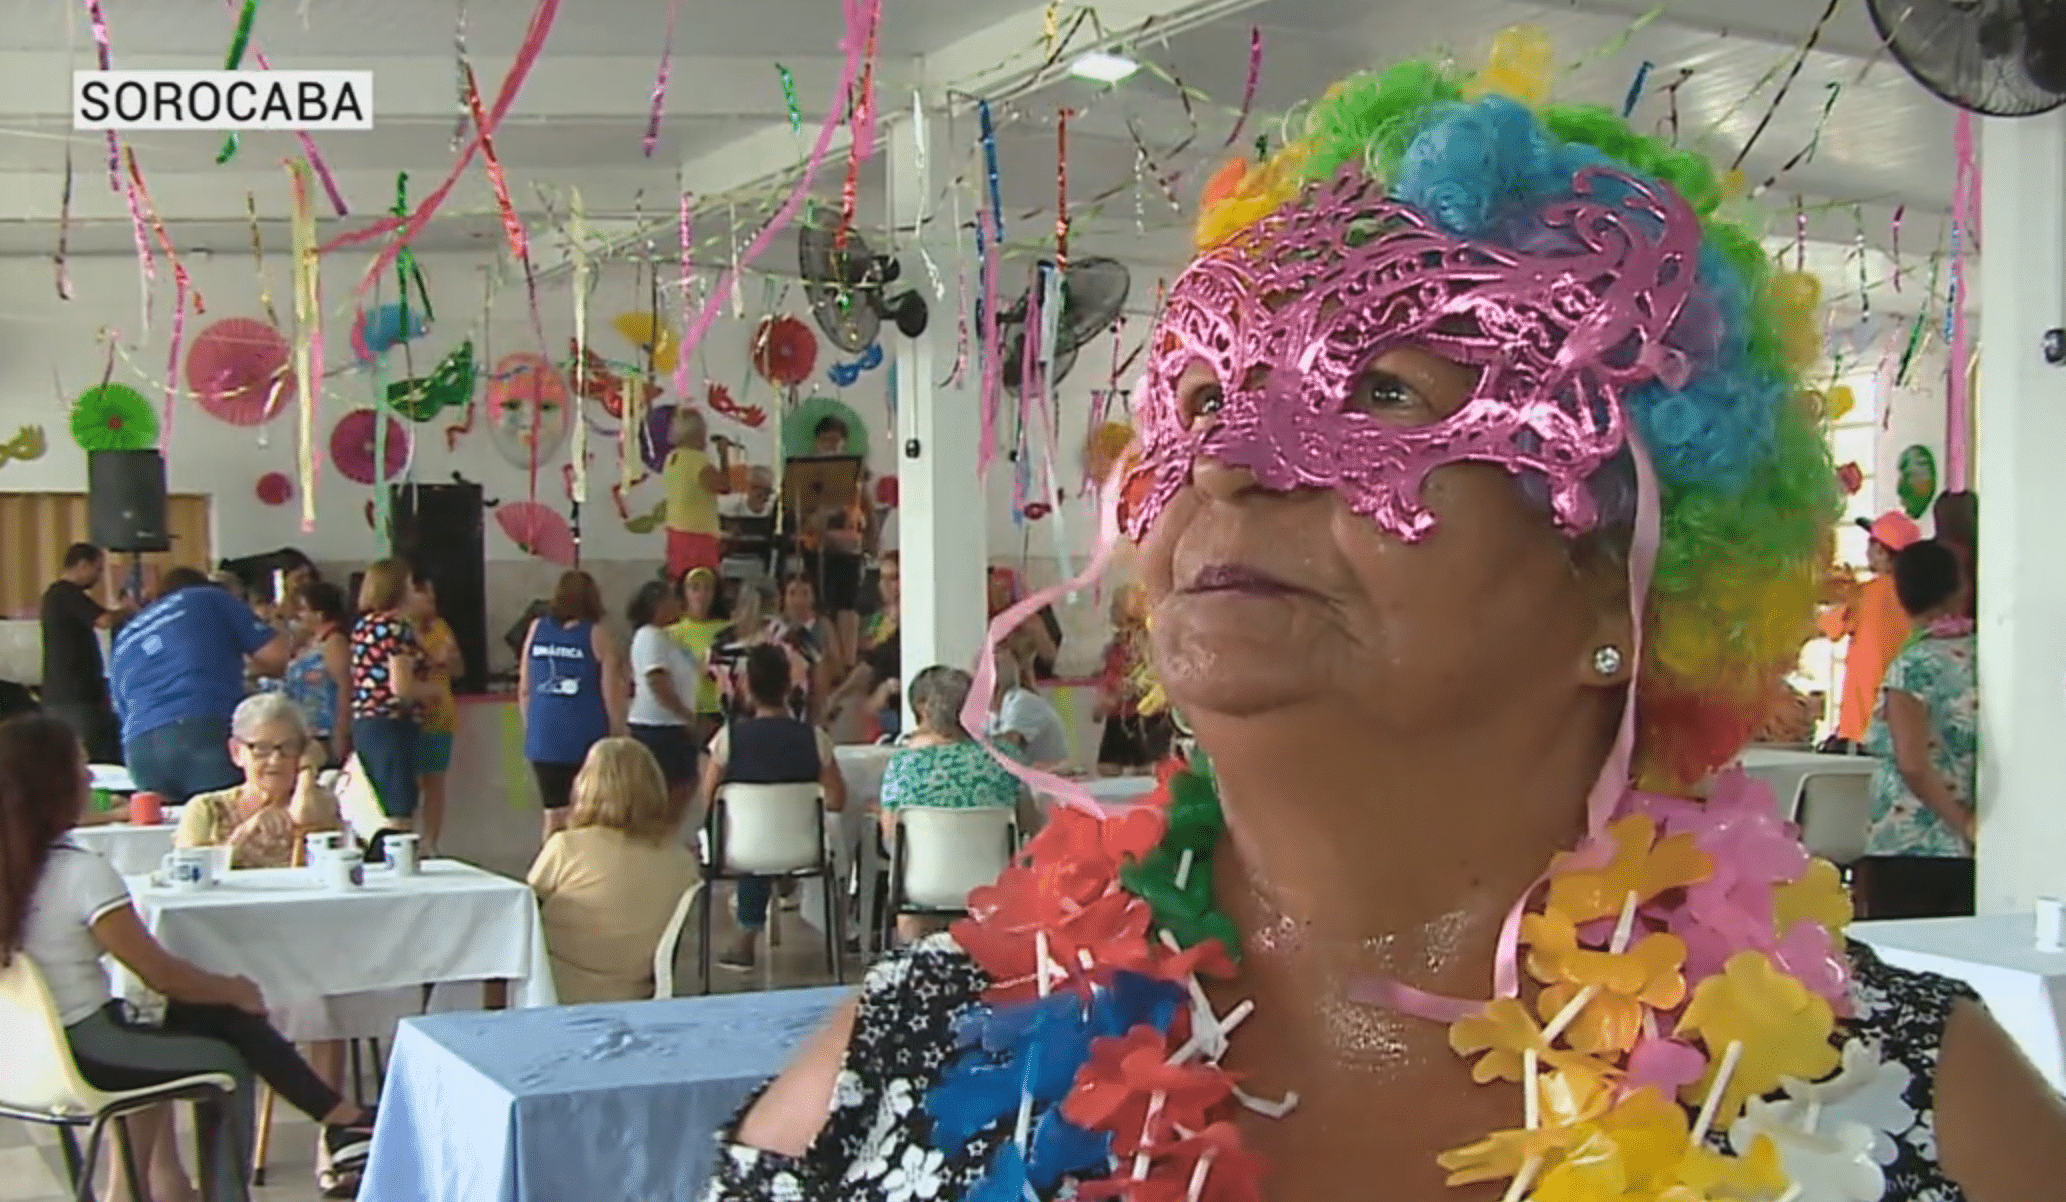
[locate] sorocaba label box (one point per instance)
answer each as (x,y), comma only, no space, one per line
(222,100)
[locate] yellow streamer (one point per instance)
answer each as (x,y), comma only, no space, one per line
(578,223)
(307,323)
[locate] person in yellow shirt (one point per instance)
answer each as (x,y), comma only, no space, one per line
(693,484)
(442,661)
(697,632)
(1874,622)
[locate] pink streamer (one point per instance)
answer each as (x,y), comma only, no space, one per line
(1958,421)
(1899,213)
(660,81)
(992,361)
(861,18)
(505,96)
(104,53)
(688,268)
(1255,75)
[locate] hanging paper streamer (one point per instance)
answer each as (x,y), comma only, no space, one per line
(407,272)
(660,80)
(105,54)
(1255,77)
(1635,89)
(1807,152)
(1899,212)
(1671,97)
(924,213)
(988,129)
(1958,423)
(789,99)
(231,61)
(1800,61)
(265,276)
(577,480)
(183,286)
(460,119)
(308,341)
(64,230)
(1062,188)
(308,144)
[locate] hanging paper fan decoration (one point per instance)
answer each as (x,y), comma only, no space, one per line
(114,417)
(378,331)
(275,488)
(653,338)
(800,428)
(886,492)
(537,530)
(784,351)
(656,437)
(237,371)
(1102,448)
(529,415)
(353,446)
(448,386)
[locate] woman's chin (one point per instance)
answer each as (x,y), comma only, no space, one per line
(1239,678)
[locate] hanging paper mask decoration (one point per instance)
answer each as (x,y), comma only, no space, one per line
(600,383)
(784,351)
(28,443)
(800,428)
(378,331)
(529,412)
(1917,483)
(353,447)
(114,417)
(537,530)
(275,488)
(238,371)
(846,375)
(448,386)
(719,399)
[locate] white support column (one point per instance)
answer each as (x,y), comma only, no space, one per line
(942,522)
(2022,491)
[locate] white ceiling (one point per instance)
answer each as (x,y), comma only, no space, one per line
(1886,143)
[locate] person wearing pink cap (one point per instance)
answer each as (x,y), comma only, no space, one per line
(1874,622)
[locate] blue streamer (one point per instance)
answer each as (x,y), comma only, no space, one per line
(990,168)
(1635,89)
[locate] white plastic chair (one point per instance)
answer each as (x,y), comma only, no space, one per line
(40,1082)
(1834,811)
(670,943)
(940,854)
(771,831)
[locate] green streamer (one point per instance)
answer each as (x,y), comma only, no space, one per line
(789,96)
(239,43)
(407,270)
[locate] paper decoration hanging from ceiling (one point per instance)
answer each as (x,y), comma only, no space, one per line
(800,428)
(379,330)
(275,489)
(114,417)
(656,437)
(353,447)
(651,337)
(1917,479)
(537,530)
(27,444)
(448,386)
(1102,448)
(238,371)
(784,351)
(529,415)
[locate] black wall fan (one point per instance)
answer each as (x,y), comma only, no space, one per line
(1998,58)
(1093,295)
(850,288)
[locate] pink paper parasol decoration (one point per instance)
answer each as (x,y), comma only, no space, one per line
(237,371)
(352,446)
(537,530)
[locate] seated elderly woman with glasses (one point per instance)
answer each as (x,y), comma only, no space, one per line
(263,819)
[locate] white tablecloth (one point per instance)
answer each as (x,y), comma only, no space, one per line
(1788,772)
(2025,989)
(133,850)
(301,941)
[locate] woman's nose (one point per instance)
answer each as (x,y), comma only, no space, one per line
(1223,482)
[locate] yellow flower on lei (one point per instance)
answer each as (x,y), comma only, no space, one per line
(1641,1151)
(1571,1101)
(1646,975)
(1819,896)
(1501,1035)
(1642,864)
(1783,1029)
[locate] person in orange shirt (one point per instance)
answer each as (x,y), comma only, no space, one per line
(1874,622)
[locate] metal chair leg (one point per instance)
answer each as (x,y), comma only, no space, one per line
(705,923)
(82,1189)
(262,1141)
(125,1146)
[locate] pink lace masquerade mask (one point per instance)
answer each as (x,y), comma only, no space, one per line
(1290,314)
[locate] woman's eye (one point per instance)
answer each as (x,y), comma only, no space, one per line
(1383,392)
(1203,401)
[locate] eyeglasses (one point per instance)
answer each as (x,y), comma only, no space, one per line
(274,751)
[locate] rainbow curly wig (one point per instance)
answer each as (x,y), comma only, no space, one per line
(1749,492)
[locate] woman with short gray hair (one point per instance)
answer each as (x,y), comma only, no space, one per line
(263,820)
(942,766)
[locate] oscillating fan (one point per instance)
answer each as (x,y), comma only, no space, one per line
(849,289)
(1998,58)
(1093,296)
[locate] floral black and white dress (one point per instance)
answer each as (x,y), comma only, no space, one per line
(878,1146)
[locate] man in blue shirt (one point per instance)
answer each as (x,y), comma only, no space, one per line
(177,672)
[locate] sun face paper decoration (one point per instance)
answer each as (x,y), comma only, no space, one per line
(530,414)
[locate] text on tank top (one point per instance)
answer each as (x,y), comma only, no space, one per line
(566,703)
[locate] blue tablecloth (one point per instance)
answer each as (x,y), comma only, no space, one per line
(577,1103)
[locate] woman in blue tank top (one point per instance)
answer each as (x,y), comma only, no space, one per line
(571,689)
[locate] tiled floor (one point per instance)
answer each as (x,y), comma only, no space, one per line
(502,840)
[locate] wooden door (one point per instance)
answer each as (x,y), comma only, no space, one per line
(38,526)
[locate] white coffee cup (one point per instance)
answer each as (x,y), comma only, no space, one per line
(402,853)
(188,868)
(2051,924)
(222,862)
(320,845)
(344,869)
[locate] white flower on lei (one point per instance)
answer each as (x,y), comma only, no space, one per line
(1833,1164)
(847,1092)
(916,1177)
(898,1098)
(1866,1090)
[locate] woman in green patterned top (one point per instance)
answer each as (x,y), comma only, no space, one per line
(1925,731)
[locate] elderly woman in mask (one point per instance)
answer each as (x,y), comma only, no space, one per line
(1480,502)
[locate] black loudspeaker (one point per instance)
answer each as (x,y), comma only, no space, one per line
(125,501)
(441,530)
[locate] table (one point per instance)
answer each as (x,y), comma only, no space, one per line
(301,941)
(2025,989)
(133,850)
(577,1103)
(1789,772)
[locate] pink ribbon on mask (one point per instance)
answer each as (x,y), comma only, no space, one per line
(1611,790)
(1958,423)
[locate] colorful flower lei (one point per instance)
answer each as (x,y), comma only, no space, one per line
(1688,960)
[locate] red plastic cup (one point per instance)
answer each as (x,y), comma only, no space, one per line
(146,809)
